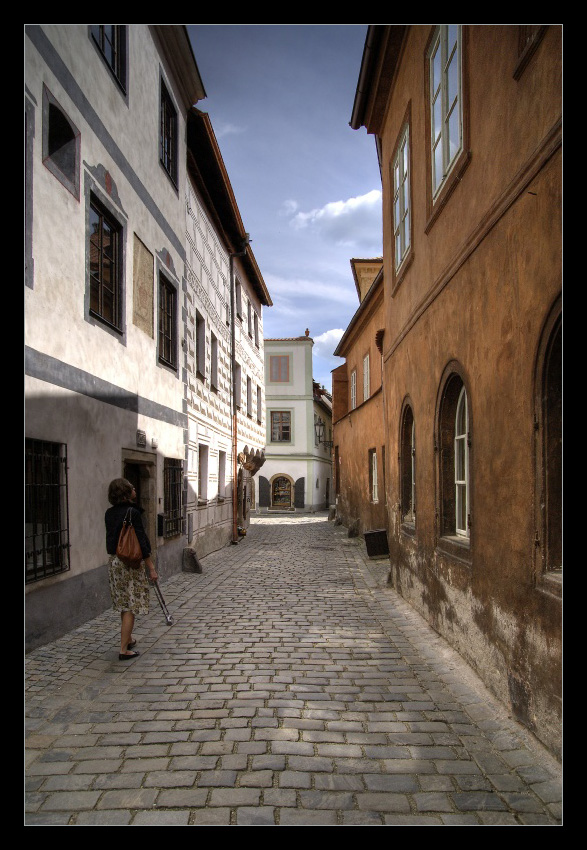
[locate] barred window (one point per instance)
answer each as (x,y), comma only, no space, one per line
(46,510)
(172,484)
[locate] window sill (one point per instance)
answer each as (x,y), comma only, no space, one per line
(202,502)
(456,547)
(408,528)
(401,272)
(551,584)
(450,183)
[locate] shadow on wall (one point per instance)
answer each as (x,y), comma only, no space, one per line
(74,446)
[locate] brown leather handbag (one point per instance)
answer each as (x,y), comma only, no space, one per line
(128,549)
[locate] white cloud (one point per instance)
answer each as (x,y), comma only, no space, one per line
(290,207)
(302,290)
(224,128)
(355,222)
(325,343)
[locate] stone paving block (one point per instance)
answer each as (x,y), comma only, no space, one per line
(393,783)
(156,818)
(72,801)
(115,818)
(377,802)
(305,817)
(255,816)
(139,798)
(318,799)
(233,797)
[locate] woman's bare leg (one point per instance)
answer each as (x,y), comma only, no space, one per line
(127,622)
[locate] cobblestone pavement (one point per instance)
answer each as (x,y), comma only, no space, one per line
(294,688)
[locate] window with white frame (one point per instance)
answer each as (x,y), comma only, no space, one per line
(462,466)
(259,404)
(401,198)
(249,397)
(353,389)
(373,483)
(366,377)
(445,101)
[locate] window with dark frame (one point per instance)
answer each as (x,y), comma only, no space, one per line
(200,346)
(167,323)
(105,276)
(168,134)
(111,42)
(172,486)
(280,426)
(408,467)
(61,144)
(46,510)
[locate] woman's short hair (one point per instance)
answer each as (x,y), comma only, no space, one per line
(120,490)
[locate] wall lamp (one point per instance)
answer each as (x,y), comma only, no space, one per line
(320,429)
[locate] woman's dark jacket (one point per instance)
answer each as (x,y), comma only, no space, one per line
(114,518)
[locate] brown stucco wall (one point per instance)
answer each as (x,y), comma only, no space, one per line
(484,276)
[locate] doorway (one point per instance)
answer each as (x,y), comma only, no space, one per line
(141,470)
(281,492)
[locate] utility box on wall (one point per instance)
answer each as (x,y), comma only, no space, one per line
(376,542)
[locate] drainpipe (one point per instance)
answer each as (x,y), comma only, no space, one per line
(246,241)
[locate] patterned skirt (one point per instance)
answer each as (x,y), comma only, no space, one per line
(129,587)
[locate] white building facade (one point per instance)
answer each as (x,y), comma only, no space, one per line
(122,263)
(224,299)
(297,475)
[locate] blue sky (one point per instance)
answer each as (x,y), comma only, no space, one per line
(308,188)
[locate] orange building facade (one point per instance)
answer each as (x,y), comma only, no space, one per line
(467,120)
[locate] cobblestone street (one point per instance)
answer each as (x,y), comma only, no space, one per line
(294,688)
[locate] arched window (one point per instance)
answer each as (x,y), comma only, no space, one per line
(462,466)
(453,445)
(408,467)
(548,429)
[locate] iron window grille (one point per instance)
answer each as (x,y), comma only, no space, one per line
(172,487)
(46,510)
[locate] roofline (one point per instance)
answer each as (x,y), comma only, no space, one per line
(220,195)
(179,53)
(365,303)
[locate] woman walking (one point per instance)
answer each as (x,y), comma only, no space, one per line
(129,587)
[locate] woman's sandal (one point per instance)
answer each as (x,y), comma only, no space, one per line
(131,644)
(126,656)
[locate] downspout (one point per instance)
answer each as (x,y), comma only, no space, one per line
(235,537)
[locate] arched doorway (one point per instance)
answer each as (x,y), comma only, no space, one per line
(281,492)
